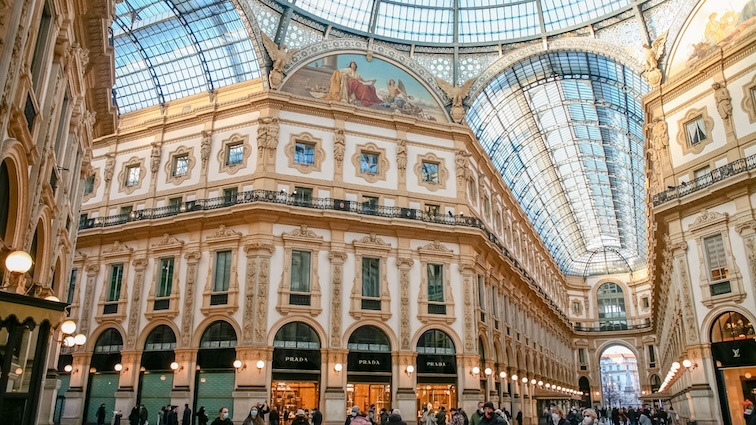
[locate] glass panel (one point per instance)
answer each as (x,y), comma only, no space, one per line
(235,154)
(89,184)
(300,271)
(103,387)
(180,166)
(116,276)
(220,334)
(715,257)
(369,163)
(435,282)
(214,391)
(366,395)
(290,396)
(304,153)
(430,172)
(155,390)
(132,176)
(435,342)
(109,341)
(732,326)
(369,338)
(371,276)
(297,335)
(72,286)
(222,276)
(166,277)
(695,131)
(161,338)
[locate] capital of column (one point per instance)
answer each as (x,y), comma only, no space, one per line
(337,257)
(404,263)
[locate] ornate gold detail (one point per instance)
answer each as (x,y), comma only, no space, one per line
(280,57)
(456,94)
(653,53)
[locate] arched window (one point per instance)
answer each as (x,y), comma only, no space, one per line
(482,353)
(611,307)
(5,205)
(220,334)
(435,342)
(109,341)
(655,383)
(297,335)
(369,338)
(731,326)
(161,338)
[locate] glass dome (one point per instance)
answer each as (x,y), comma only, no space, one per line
(458,22)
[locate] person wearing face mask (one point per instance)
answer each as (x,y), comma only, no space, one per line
(557,416)
(475,419)
(254,417)
(489,417)
(590,417)
(222,418)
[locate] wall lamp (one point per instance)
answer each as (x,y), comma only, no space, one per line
(503,375)
(488,371)
(514,377)
(524,379)
(687,364)
(533,382)
(475,371)
(69,339)
(540,383)
(176,368)
(409,370)
(121,368)
(338,367)
(239,365)
(70,369)
(260,365)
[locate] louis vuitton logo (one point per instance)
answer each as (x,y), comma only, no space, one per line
(736,353)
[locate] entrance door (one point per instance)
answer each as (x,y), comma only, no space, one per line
(433,396)
(293,395)
(365,395)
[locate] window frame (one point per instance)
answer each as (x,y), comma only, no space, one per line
(318,154)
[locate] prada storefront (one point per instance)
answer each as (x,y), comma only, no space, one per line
(296,368)
(369,369)
(436,371)
(733,348)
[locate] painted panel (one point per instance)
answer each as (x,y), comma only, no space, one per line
(374,84)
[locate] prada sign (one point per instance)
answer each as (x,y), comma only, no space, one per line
(287,358)
(369,362)
(735,353)
(434,363)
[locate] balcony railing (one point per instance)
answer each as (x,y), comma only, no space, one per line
(612,327)
(717,175)
(283,198)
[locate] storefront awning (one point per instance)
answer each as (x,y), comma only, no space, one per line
(25,308)
(544,394)
(655,396)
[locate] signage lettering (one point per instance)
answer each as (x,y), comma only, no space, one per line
(435,364)
(736,352)
(369,362)
(293,359)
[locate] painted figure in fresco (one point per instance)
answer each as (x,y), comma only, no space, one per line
(396,92)
(347,85)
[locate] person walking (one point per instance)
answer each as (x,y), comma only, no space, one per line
(475,419)
(202,417)
(519,418)
(384,416)
(317,417)
(441,416)
(395,418)
(254,417)
(186,417)
(489,417)
(143,415)
(353,414)
(134,416)
(273,417)
(101,414)
(427,418)
(371,414)
(117,415)
(222,418)
(456,417)
(300,418)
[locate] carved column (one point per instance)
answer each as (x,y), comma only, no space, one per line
(255,321)
(747,231)
(337,262)
(192,258)
(689,311)
(92,271)
(466,268)
(136,302)
(405,265)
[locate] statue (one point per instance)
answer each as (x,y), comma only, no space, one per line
(457,94)
(205,147)
(155,158)
(267,133)
(109,168)
(653,74)
(401,156)
(280,57)
(461,160)
(339,144)
(724,101)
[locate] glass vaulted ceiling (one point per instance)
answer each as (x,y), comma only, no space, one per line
(457,21)
(565,131)
(169,49)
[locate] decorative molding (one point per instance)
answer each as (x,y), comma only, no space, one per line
(337,262)
(745,225)
(708,218)
(383,162)
(261,314)
(169,165)
(435,247)
(443,174)
(253,246)
(303,233)
(249,301)
(318,152)
(118,249)
(401,157)
(122,176)
(371,246)
(749,99)
(136,303)
(167,242)
(155,157)
(223,234)
(192,260)
(301,239)
(339,146)
(405,265)
(234,140)
(692,332)
(682,139)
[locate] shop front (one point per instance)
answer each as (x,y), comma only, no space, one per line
(156,376)
(733,349)
(103,375)
(216,378)
(296,369)
(369,369)
(436,372)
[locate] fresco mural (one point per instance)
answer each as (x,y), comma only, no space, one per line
(722,22)
(376,84)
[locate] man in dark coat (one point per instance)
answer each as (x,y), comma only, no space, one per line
(187,416)
(134,416)
(317,417)
(143,415)
(489,417)
(395,418)
(101,414)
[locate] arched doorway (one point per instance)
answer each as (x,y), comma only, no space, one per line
(611,307)
(436,371)
(156,376)
(585,386)
(296,368)
(216,379)
(482,365)
(7,211)
(733,348)
(620,384)
(369,369)
(103,378)
(655,382)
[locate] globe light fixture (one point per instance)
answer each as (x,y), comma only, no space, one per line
(502,375)
(475,370)
(118,367)
(488,371)
(80,339)
(514,377)
(687,363)
(68,327)
(237,364)
(18,262)
(68,368)
(260,365)
(524,379)
(174,366)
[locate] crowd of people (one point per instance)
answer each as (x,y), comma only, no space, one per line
(617,416)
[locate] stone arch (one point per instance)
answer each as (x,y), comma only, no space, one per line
(499,355)
(714,314)
(306,320)
(510,359)
(482,337)
(578,44)
(42,233)
(13,157)
(209,320)
(625,294)
(606,344)
(152,324)
(360,47)
(57,279)
(370,322)
(439,327)
(98,331)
